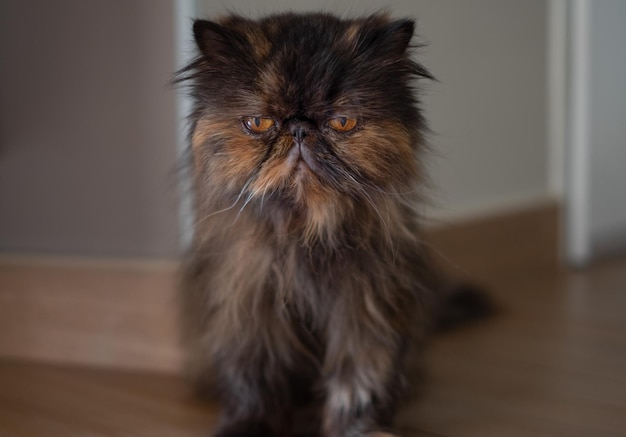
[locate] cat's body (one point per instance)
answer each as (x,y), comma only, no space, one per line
(308,278)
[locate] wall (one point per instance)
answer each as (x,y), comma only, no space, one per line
(488,111)
(607,141)
(596,181)
(87,128)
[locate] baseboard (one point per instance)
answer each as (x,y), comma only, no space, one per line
(608,242)
(109,314)
(519,241)
(118,314)
(435,217)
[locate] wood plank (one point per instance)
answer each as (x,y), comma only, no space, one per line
(47,400)
(553,363)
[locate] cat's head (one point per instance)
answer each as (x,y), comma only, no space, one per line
(305,109)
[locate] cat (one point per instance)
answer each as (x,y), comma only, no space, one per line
(308,279)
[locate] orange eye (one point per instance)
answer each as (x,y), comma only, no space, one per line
(342,124)
(258,125)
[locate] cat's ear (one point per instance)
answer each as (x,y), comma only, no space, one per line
(400,33)
(380,37)
(397,35)
(215,41)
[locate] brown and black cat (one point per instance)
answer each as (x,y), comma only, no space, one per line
(308,278)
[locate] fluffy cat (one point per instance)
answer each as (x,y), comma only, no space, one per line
(308,279)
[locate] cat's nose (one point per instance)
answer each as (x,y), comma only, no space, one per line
(299,131)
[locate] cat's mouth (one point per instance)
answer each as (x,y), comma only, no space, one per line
(301,160)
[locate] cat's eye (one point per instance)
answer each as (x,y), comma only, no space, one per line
(342,124)
(258,125)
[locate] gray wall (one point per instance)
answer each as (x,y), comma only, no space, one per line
(488,112)
(87,128)
(607,142)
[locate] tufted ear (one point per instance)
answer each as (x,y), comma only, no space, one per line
(217,42)
(209,35)
(397,35)
(387,40)
(381,37)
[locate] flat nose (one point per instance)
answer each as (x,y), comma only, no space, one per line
(299,130)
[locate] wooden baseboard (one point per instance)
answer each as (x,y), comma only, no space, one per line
(522,241)
(124,315)
(104,315)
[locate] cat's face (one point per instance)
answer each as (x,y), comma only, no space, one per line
(304,108)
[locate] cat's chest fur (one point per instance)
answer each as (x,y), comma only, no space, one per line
(289,279)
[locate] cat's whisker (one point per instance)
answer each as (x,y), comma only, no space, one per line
(434,250)
(384,222)
(248,199)
(359,187)
(377,188)
(208,216)
(365,195)
(392,193)
(265,187)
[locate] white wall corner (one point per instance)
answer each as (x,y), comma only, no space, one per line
(578,241)
(184,12)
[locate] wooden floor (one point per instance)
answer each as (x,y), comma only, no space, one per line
(552,363)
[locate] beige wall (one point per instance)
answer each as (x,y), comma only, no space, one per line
(87,128)
(488,112)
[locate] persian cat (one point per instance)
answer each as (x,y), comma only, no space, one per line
(308,279)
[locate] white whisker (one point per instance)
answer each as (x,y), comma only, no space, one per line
(248,199)
(227,208)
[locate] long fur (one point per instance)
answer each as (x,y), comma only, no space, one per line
(308,277)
